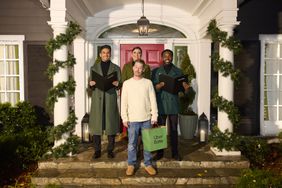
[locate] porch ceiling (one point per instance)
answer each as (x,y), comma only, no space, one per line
(95,6)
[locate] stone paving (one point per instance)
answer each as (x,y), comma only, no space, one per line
(199,167)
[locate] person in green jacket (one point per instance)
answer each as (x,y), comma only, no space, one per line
(104,113)
(168,103)
(127,72)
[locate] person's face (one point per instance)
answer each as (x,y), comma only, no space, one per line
(105,55)
(167,58)
(136,55)
(138,69)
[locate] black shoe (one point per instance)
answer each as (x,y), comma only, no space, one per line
(158,156)
(177,157)
(97,155)
(111,154)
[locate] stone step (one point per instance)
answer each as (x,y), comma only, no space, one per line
(158,164)
(116,177)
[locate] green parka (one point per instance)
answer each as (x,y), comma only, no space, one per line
(112,118)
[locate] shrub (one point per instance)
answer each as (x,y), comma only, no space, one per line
(259,179)
(22,139)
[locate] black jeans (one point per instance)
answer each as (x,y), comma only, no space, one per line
(172,123)
(97,143)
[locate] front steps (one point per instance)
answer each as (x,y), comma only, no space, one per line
(199,168)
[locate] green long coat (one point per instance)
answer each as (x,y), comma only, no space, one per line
(112,119)
(167,103)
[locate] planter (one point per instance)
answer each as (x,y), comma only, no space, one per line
(188,125)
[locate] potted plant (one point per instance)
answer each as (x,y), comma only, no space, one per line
(187,117)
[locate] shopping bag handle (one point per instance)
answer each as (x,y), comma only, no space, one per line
(155,125)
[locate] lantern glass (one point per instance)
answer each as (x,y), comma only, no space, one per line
(143,26)
(85,135)
(203,128)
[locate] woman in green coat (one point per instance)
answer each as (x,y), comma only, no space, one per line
(104,114)
(127,72)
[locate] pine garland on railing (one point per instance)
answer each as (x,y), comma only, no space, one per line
(60,90)
(219,139)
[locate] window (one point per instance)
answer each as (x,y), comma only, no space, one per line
(11,68)
(271,84)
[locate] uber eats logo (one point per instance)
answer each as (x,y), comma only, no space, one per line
(158,139)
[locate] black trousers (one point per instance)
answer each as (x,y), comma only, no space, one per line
(97,143)
(172,123)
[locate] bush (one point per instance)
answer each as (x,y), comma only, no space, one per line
(259,179)
(22,139)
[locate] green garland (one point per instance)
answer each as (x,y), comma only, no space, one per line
(57,132)
(63,39)
(54,67)
(219,36)
(60,90)
(225,67)
(228,107)
(226,140)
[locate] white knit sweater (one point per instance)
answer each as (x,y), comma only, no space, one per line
(138,101)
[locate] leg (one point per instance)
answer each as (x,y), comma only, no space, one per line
(133,131)
(111,146)
(97,146)
(139,145)
(173,121)
(147,154)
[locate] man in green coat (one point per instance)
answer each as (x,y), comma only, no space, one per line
(168,103)
(104,114)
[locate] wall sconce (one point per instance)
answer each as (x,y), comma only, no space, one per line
(143,23)
(203,128)
(85,135)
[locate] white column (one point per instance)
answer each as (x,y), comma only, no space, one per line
(203,78)
(59,25)
(81,82)
(225,84)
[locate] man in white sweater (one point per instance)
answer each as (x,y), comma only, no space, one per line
(138,111)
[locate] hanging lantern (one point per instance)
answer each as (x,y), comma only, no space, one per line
(85,135)
(203,128)
(143,23)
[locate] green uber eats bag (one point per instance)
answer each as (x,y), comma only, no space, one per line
(154,138)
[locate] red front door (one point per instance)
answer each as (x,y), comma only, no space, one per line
(151,54)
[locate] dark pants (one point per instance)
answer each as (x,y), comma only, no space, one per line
(97,143)
(172,123)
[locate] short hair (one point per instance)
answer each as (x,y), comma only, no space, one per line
(137,47)
(139,61)
(167,51)
(107,47)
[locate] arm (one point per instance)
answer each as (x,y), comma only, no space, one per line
(155,80)
(153,102)
(124,106)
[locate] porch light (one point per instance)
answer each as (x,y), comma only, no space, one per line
(85,135)
(143,23)
(203,128)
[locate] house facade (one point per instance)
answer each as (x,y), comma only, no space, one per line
(26,26)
